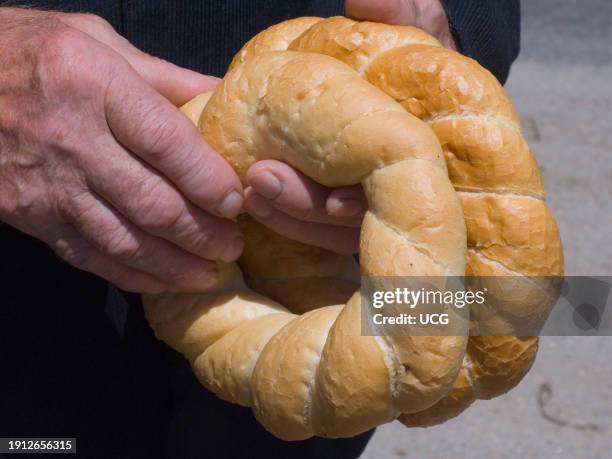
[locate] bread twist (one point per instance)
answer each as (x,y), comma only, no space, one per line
(340,101)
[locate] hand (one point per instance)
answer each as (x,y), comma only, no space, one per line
(428,15)
(293,205)
(96,161)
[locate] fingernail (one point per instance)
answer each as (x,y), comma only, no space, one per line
(345,208)
(259,206)
(232,251)
(266,184)
(231,205)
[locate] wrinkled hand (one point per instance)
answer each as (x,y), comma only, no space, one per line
(293,205)
(96,161)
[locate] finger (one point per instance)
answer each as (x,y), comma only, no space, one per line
(295,194)
(74,249)
(156,207)
(348,201)
(111,234)
(150,127)
(175,83)
(399,12)
(339,239)
(429,16)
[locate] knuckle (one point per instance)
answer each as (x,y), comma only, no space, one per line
(19,200)
(207,236)
(93,20)
(79,255)
(160,131)
(75,205)
(205,242)
(80,259)
(121,244)
(158,210)
(109,236)
(62,48)
(67,66)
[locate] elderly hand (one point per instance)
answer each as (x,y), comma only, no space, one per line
(293,205)
(96,161)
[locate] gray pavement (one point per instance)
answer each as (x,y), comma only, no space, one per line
(562,88)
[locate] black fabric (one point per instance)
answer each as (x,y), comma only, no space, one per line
(204,35)
(488,31)
(77,358)
(201,35)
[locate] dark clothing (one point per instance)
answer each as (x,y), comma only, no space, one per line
(201,35)
(204,35)
(488,31)
(77,358)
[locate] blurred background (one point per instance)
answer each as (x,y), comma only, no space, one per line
(561,86)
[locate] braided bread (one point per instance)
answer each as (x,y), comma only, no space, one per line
(452,189)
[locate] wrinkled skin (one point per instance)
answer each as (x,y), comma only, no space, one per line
(96,161)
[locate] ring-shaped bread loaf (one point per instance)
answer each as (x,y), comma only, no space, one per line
(340,101)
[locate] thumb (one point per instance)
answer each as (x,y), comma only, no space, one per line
(399,12)
(177,84)
(427,15)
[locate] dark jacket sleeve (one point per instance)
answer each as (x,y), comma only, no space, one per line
(488,31)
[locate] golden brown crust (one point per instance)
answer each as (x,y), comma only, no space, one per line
(345,402)
(432,81)
(193,109)
(274,38)
(498,363)
(315,374)
(226,366)
(301,277)
(285,374)
(485,155)
(457,400)
(510,229)
(357,43)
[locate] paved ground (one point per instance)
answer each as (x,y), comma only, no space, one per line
(562,87)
